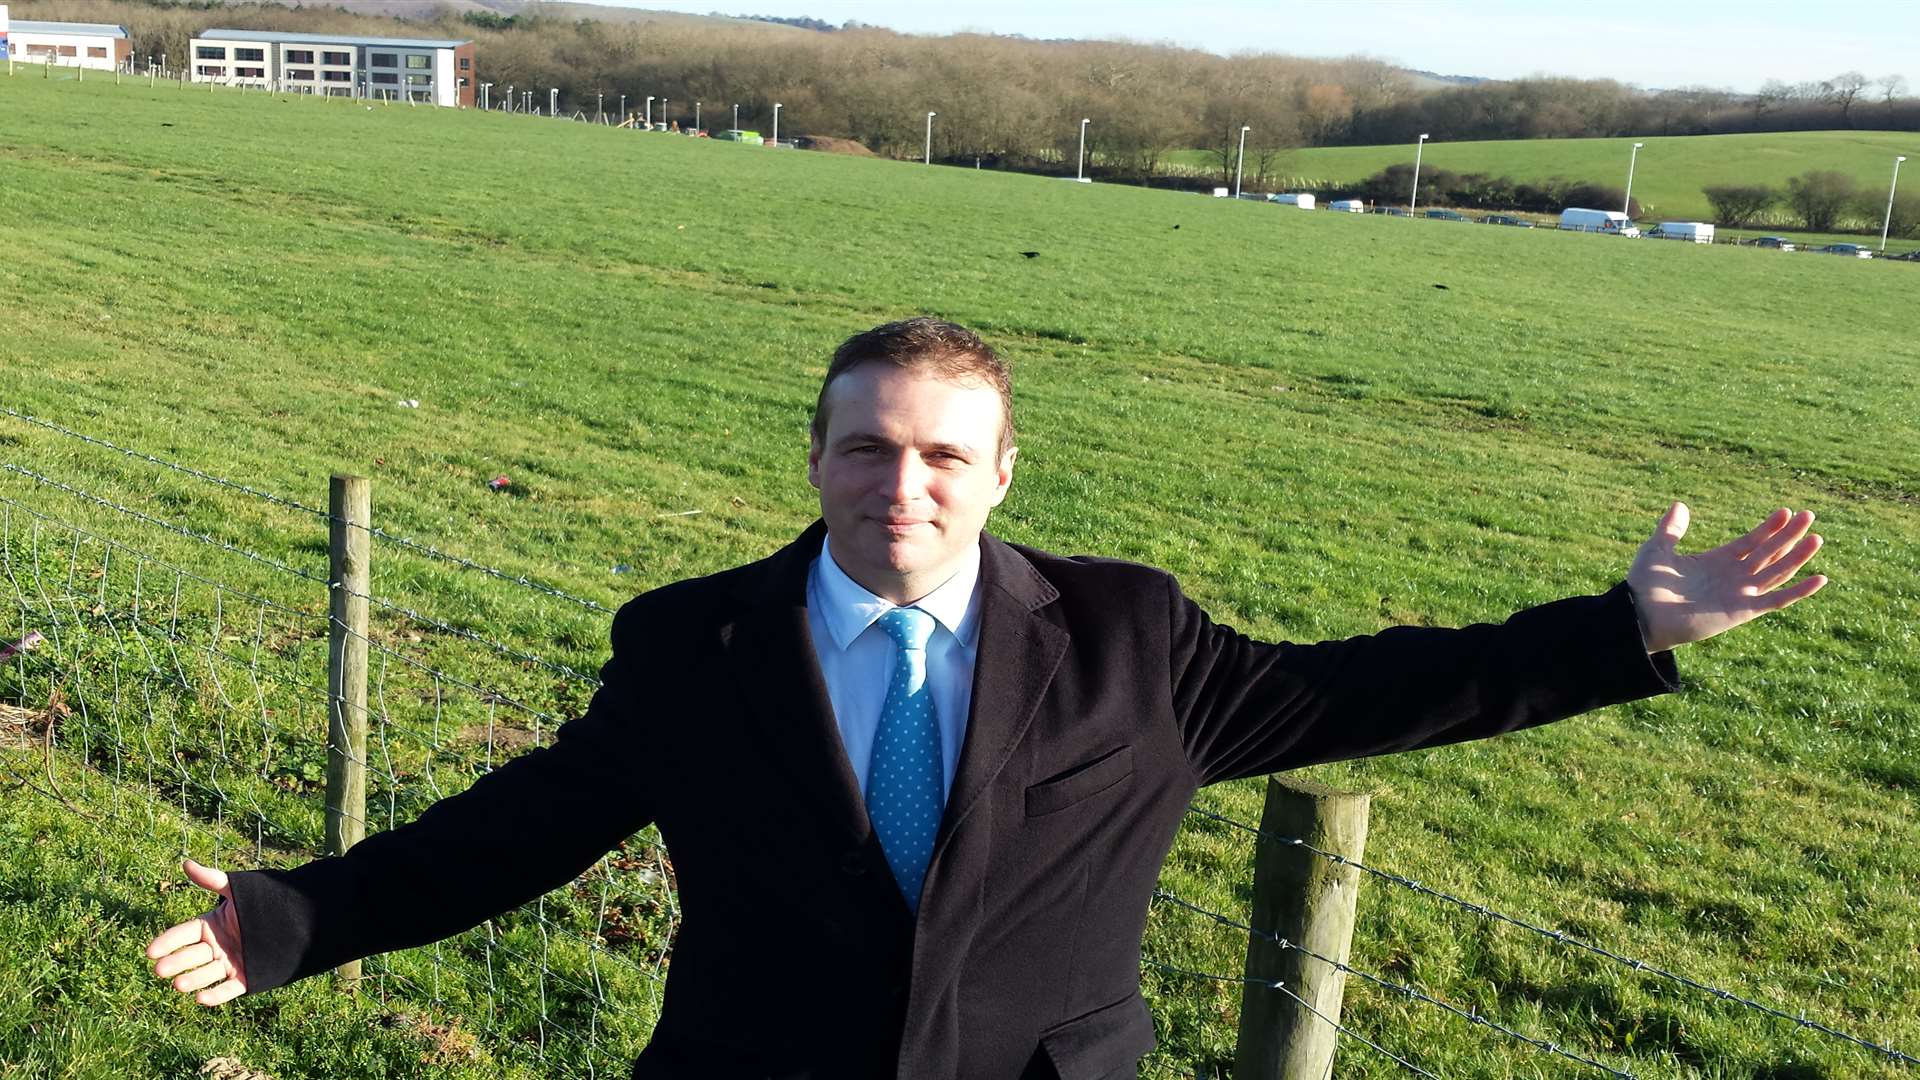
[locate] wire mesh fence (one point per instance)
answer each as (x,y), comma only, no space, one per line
(127,651)
(206,705)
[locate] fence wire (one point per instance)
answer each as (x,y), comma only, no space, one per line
(200,702)
(1561,937)
(402,542)
(205,707)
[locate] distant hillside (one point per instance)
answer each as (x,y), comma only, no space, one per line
(1428,80)
(1666,182)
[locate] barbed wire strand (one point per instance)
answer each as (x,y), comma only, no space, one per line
(1277,985)
(1887,1049)
(415,546)
(1471,1013)
(275,564)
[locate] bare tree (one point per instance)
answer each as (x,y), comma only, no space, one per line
(1843,90)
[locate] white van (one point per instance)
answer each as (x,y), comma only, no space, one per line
(1698,232)
(1575,219)
(1348,206)
(1304,202)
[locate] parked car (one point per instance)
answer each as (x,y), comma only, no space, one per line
(1911,256)
(1506,219)
(1348,206)
(1396,211)
(1447,215)
(1855,250)
(1778,243)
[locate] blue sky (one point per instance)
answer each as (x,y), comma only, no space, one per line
(1732,43)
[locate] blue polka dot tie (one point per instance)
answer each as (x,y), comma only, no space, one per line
(905,776)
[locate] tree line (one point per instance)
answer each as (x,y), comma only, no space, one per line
(1821,200)
(1011,102)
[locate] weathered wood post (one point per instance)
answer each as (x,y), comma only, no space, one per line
(1307,899)
(350,511)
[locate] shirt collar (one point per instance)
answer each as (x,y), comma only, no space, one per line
(848,608)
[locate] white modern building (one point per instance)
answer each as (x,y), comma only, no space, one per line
(100,46)
(402,69)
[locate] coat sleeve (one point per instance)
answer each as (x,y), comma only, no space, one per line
(1247,707)
(528,826)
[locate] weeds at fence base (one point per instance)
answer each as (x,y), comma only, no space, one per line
(24,729)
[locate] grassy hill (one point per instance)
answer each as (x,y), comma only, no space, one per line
(1324,425)
(1666,182)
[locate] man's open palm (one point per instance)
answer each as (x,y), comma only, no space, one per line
(1686,598)
(203,953)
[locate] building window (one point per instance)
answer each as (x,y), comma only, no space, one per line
(419,80)
(68,50)
(336,76)
(214,70)
(98,52)
(39,50)
(253,55)
(210,52)
(419,63)
(337,58)
(299,56)
(466,63)
(250,72)
(387,77)
(299,73)
(383,59)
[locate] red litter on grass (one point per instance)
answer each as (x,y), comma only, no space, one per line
(499,483)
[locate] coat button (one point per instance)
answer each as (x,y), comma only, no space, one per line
(853,863)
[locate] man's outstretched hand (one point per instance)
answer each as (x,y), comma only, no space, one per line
(203,953)
(1686,598)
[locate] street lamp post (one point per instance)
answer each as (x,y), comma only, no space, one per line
(929,154)
(736,116)
(663,110)
(776,123)
(553,102)
(1627,208)
(1888,220)
(486,99)
(696,116)
(649,112)
(1414,202)
(623,108)
(1080,167)
(600,107)
(1241,164)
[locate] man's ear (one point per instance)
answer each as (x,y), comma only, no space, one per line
(813,460)
(1004,479)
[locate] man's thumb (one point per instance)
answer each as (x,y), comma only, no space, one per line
(206,877)
(1673,524)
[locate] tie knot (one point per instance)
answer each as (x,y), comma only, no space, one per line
(909,627)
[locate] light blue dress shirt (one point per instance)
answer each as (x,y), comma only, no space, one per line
(857,657)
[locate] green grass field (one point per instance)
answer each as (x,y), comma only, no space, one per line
(1324,425)
(1666,180)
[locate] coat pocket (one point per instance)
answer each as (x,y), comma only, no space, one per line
(1104,1043)
(1081,782)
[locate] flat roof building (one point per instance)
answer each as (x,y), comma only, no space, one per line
(100,46)
(434,71)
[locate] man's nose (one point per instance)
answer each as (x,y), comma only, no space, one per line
(906,480)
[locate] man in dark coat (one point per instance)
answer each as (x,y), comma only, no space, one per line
(932,775)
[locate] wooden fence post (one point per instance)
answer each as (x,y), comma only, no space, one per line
(1306,899)
(350,508)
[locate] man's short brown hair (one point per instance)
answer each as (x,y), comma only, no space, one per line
(947,350)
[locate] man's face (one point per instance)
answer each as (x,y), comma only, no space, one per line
(907,471)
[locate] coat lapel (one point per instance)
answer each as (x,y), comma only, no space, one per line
(770,654)
(1019,653)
